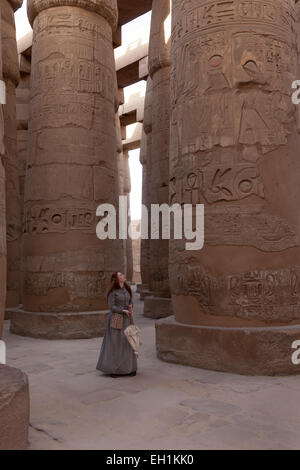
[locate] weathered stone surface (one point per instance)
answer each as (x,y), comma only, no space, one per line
(2,238)
(121,177)
(14,409)
(158,155)
(80,325)
(241,350)
(136,254)
(234,148)
(127,191)
(157,307)
(147,126)
(144,258)
(3,243)
(11,77)
(72,164)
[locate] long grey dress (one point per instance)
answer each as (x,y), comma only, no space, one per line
(116,355)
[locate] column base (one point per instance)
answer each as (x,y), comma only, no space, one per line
(14,409)
(145,293)
(80,325)
(157,307)
(9,310)
(139,288)
(240,350)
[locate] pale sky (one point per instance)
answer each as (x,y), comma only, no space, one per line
(136,29)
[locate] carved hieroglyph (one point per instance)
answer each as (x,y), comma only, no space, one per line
(13,201)
(235,149)
(159,69)
(72,165)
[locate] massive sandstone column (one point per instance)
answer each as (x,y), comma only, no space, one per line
(3,243)
(144,250)
(14,396)
(235,149)
(71,169)
(146,197)
(158,304)
(127,191)
(11,77)
(121,178)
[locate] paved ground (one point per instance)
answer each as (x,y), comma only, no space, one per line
(166,406)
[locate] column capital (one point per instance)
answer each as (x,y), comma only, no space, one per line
(160,36)
(108,9)
(16,4)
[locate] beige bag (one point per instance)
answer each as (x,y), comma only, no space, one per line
(116,321)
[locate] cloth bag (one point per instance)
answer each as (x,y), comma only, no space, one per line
(133,335)
(116,321)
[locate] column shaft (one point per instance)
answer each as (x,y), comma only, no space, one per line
(158,305)
(11,78)
(234,148)
(71,169)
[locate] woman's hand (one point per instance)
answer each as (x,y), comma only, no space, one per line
(127,312)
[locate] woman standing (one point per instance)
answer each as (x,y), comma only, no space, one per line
(117,357)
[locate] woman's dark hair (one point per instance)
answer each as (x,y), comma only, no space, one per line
(114,284)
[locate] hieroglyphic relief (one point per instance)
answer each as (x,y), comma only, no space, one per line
(205,72)
(66,110)
(77,284)
(216,177)
(267,295)
(272,295)
(64,23)
(73,72)
(191,18)
(232,118)
(49,219)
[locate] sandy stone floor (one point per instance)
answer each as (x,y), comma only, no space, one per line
(166,406)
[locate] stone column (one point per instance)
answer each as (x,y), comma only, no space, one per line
(144,252)
(127,191)
(234,148)
(11,78)
(158,304)
(121,179)
(3,242)
(71,170)
(297,24)
(147,126)
(14,395)
(23,99)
